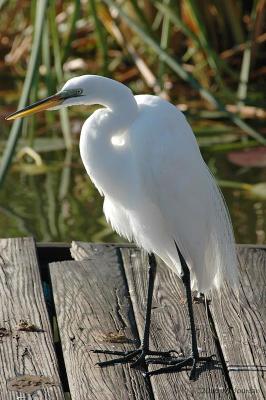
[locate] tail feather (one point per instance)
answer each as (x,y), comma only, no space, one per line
(223,248)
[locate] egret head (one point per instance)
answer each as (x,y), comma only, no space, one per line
(85,89)
(73,92)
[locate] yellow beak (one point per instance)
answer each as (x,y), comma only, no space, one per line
(49,102)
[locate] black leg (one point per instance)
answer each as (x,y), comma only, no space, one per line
(137,357)
(151,277)
(175,364)
(185,276)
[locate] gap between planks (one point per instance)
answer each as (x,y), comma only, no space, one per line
(93,311)
(28,360)
(239,320)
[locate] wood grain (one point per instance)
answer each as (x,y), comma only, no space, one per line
(93,308)
(28,359)
(240,325)
(169,326)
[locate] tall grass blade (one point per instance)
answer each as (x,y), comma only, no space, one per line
(203,39)
(64,189)
(234,185)
(74,18)
(39,208)
(233,17)
(49,76)
(65,124)
(2,3)
(226,147)
(244,77)
(246,63)
(141,15)
(101,37)
(46,57)
(50,189)
(65,176)
(164,43)
(33,64)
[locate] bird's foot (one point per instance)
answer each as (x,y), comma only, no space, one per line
(175,364)
(136,358)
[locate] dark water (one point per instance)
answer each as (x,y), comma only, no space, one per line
(58,202)
(247,209)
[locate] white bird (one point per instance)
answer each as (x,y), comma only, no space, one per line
(142,156)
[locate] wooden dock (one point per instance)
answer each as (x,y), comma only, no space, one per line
(59,302)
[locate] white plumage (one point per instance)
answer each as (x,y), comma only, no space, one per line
(142,155)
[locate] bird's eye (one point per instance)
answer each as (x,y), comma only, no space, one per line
(79,91)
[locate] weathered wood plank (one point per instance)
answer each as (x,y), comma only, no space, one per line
(169,327)
(240,325)
(28,360)
(83,250)
(93,311)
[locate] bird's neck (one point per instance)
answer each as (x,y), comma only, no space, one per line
(113,95)
(120,112)
(105,162)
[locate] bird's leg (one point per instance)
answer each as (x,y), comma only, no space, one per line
(137,357)
(176,363)
(144,348)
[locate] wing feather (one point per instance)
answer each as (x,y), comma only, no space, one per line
(188,205)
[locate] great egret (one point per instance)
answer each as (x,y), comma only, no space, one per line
(142,156)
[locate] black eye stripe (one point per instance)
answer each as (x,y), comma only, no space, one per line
(68,93)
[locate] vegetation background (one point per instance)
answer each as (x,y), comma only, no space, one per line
(206,56)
